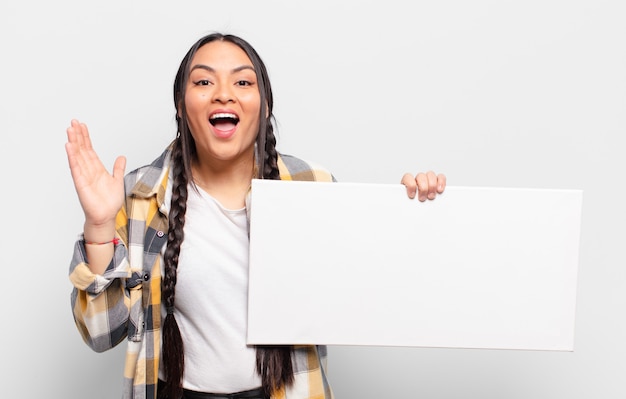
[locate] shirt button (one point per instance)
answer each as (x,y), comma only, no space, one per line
(160,233)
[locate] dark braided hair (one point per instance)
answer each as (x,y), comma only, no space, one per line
(173,358)
(273,362)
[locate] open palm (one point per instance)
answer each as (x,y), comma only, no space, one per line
(100,193)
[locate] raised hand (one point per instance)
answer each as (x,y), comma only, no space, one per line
(100,193)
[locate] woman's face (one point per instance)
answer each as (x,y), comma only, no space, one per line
(223,103)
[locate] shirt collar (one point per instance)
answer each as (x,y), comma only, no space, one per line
(154,178)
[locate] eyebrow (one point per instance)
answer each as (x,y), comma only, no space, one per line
(210,69)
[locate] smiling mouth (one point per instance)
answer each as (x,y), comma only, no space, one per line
(224,121)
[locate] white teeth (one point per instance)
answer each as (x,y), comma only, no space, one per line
(224,115)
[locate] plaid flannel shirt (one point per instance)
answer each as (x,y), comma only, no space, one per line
(125,302)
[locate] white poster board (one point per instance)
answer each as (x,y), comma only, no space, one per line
(361,264)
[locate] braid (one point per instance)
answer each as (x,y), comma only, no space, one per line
(273,362)
(271,155)
(173,357)
(274,365)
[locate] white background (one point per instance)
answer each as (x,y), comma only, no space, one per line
(493,93)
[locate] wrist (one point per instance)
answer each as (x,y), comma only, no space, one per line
(99,233)
(114,241)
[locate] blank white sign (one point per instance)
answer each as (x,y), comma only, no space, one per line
(361,264)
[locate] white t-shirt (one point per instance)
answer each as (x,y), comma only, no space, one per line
(211,303)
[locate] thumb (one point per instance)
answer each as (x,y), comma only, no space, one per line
(118,167)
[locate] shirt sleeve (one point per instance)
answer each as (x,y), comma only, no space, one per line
(100,303)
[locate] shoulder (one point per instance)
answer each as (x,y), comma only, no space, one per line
(293,168)
(146,180)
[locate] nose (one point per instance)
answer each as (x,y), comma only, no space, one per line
(223,93)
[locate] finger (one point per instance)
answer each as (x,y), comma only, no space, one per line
(76,144)
(411,185)
(84,162)
(73,148)
(73,136)
(422,186)
(432,185)
(86,146)
(72,160)
(85,135)
(441,183)
(76,134)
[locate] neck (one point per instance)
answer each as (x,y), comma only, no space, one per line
(227,182)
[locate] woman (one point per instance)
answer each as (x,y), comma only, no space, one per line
(167,244)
